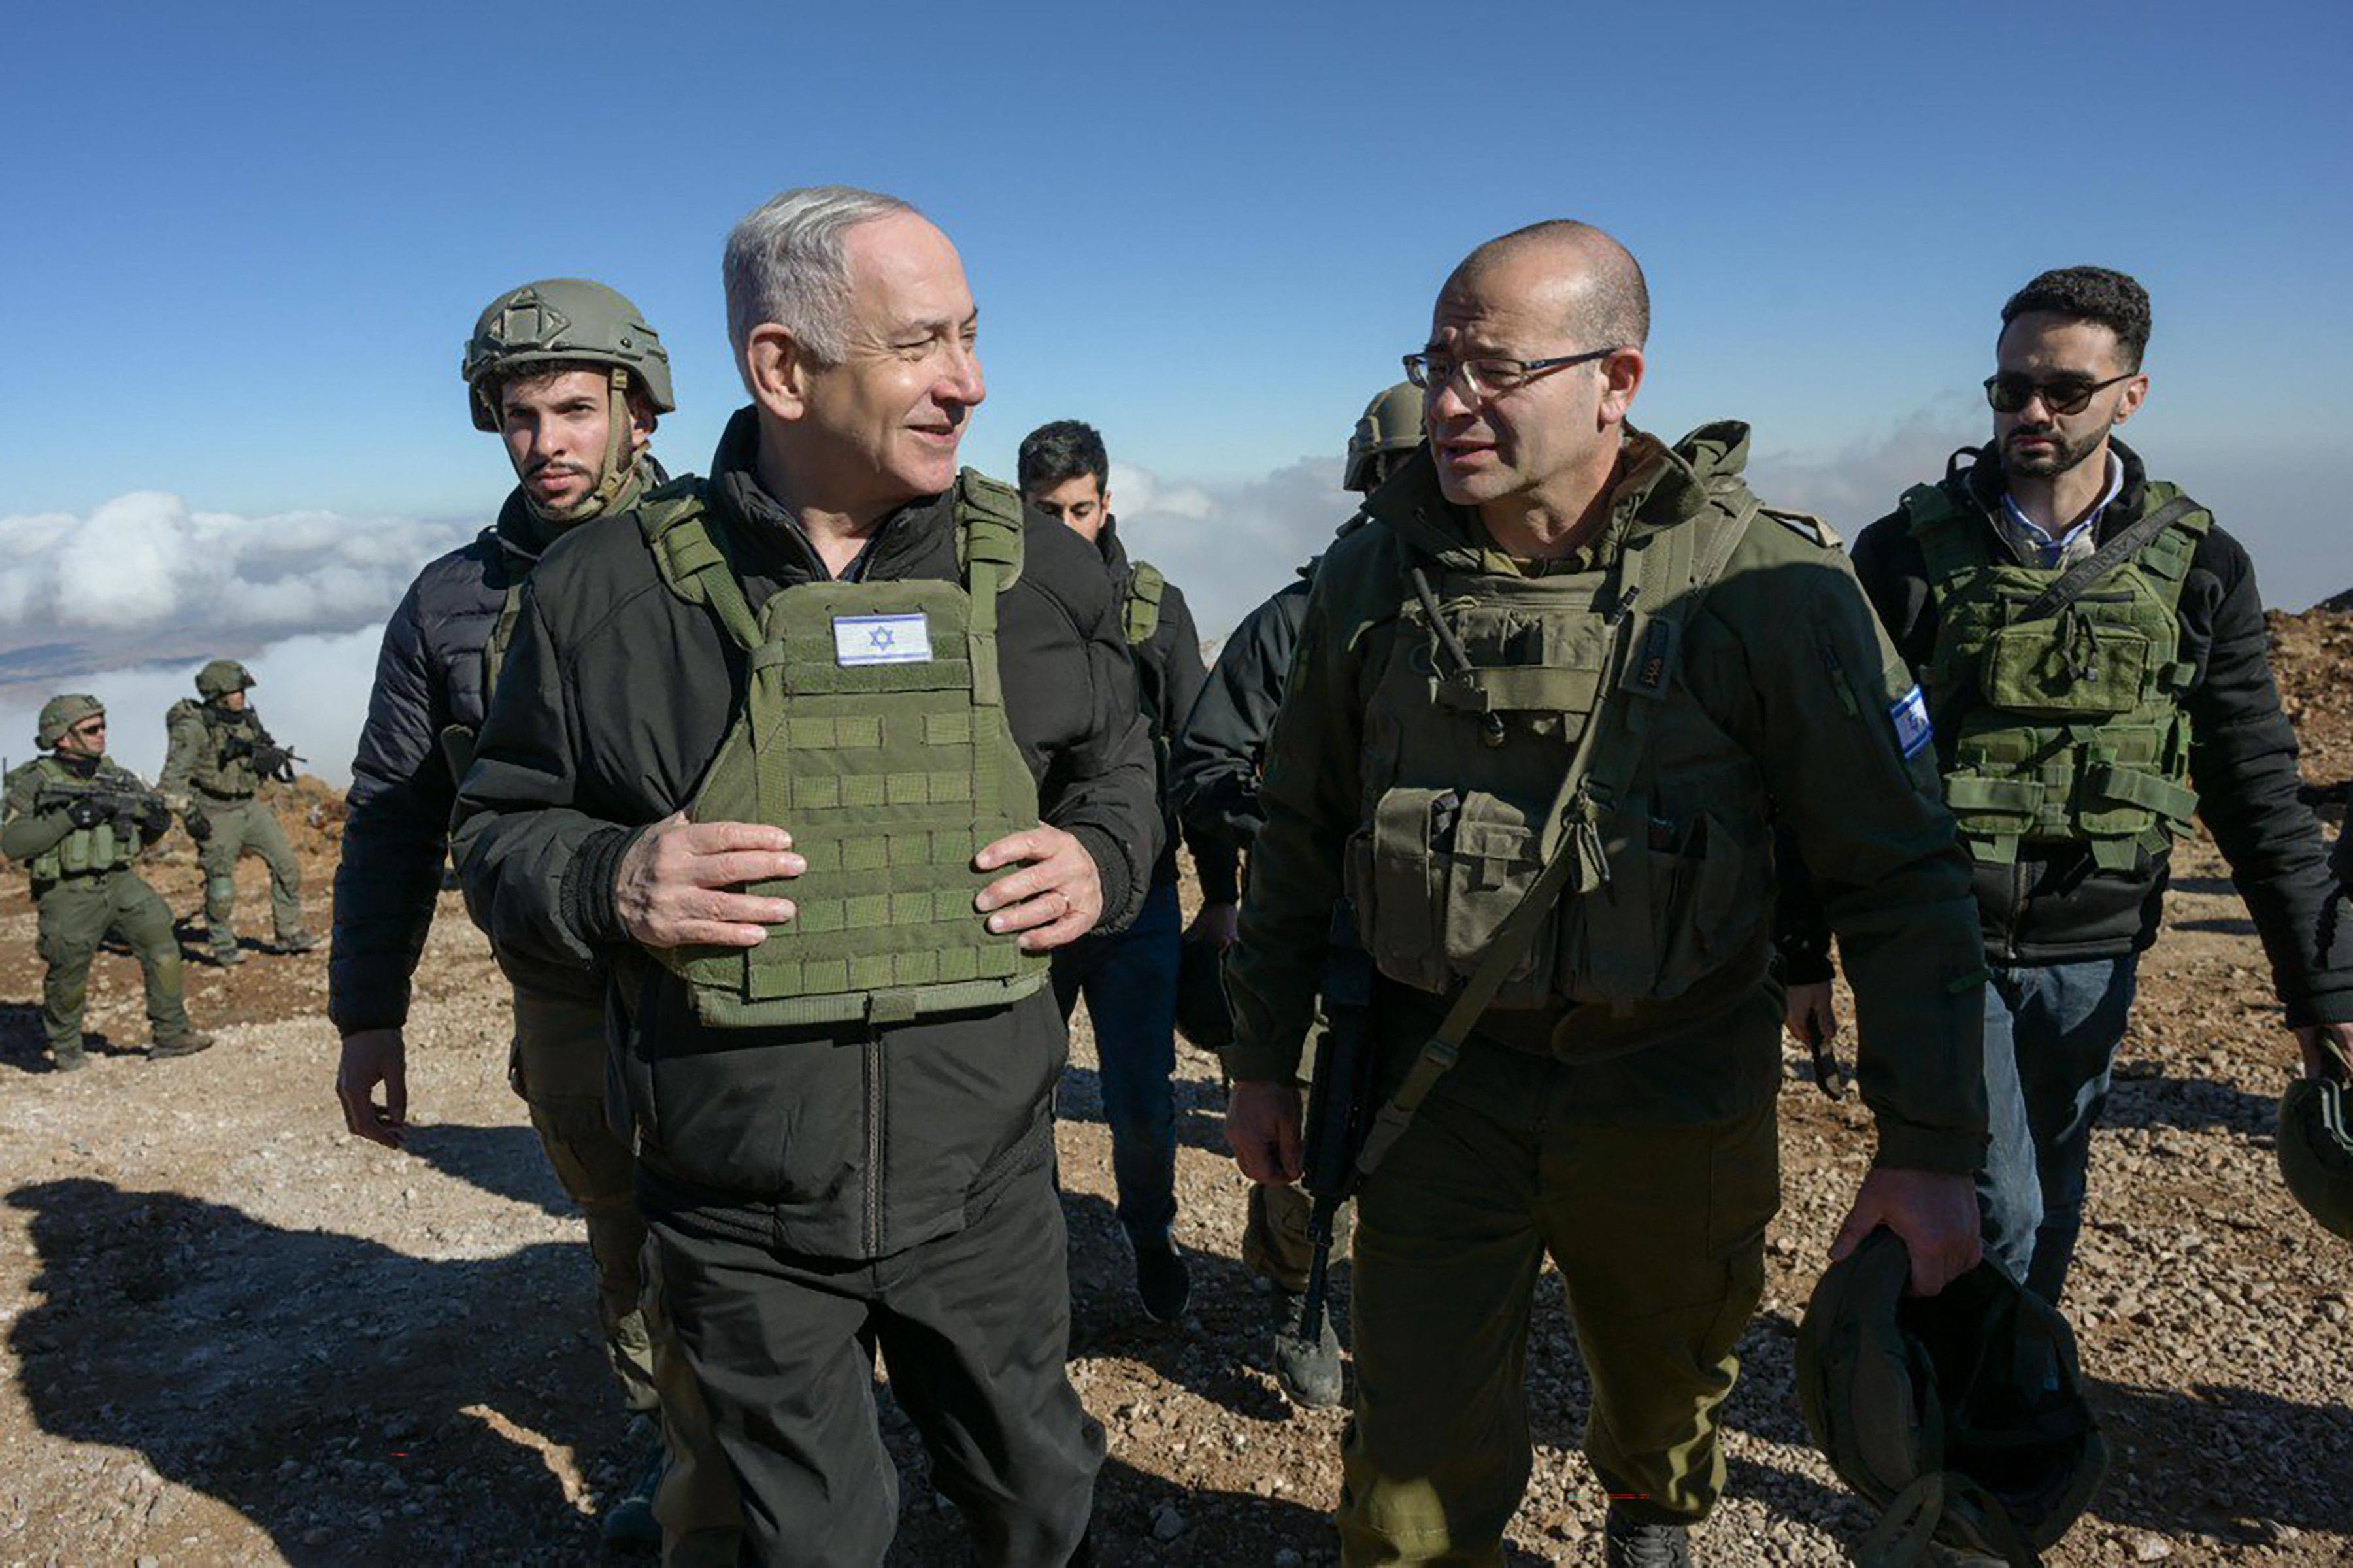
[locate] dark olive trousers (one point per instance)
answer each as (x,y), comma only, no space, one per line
(1658,1235)
(240,828)
(974,1328)
(73,918)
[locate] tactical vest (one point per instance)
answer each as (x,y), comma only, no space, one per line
(1531,733)
(2068,727)
(1139,608)
(874,730)
(85,850)
(215,771)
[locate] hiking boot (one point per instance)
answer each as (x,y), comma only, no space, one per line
(185,1045)
(301,941)
(68,1060)
(629,1524)
(1626,1545)
(1162,1281)
(1308,1371)
(228,957)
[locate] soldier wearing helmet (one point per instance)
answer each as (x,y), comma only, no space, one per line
(75,822)
(1214,774)
(217,758)
(570,376)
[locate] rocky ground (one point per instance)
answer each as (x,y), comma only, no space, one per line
(231,1334)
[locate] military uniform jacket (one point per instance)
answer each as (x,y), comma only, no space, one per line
(2053,906)
(429,676)
(1169,669)
(832,1141)
(1790,704)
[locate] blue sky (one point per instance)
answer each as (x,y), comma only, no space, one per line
(244,243)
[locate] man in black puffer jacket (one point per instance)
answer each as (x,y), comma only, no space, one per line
(569,375)
(2093,668)
(819,760)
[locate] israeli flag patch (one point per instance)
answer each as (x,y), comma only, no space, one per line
(881,639)
(1912,730)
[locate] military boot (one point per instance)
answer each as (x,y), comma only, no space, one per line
(629,1524)
(301,941)
(228,957)
(67,1059)
(185,1045)
(1308,1371)
(1628,1544)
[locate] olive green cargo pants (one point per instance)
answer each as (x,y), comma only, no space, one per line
(1275,1246)
(246,827)
(1659,1234)
(559,1070)
(73,918)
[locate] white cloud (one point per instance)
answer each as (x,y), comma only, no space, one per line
(311,691)
(145,562)
(1230,546)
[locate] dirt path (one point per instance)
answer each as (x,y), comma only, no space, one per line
(232,1334)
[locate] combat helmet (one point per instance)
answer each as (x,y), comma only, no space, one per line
(1391,423)
(562,321)
(61,713)
(1959,1416)
(2316,1146)
(220,677)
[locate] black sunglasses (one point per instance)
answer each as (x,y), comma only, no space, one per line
(2009,392)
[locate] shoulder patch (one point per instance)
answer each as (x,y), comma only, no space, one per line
(1909,713)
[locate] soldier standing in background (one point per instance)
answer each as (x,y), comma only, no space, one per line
(76,821)
(1214,777)
(217,756)
(571,378)
(1129,978)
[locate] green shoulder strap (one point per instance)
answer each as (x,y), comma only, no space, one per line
(1663,596)
(2166,558)
(690,563)
(503,630)
(1949,545)
(990,539)
(1140,611)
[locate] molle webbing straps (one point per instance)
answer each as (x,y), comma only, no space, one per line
(2106,559)
(1140,606)
(1641,661)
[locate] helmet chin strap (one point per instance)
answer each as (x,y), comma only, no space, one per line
(620,472)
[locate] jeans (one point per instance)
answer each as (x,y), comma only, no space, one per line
(2051,1035)
(1130,982)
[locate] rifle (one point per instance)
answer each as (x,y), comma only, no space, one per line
(271,759)
(130,810)
(1338,1110)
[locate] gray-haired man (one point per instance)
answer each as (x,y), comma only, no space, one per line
(819,758)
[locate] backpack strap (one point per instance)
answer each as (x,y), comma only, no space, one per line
(990,534)
(691,563)
(1664,596)
(1140,606)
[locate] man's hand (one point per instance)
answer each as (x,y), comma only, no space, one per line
(1215,925)
(373,1057)
(199,825)
(1808,1013)
(669,887)
(1055,898)
(2328,1050)
(1262,1130)
(1935,1213)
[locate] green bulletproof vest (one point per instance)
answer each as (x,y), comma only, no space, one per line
(2067,728)
(874,731)
(214,771)
(1528,742)
(84,850)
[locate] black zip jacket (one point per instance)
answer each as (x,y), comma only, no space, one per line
(2055,906)
(839,1141)
(429,676)
(1168,667)
(1222,747)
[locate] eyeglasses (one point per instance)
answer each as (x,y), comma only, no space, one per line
(1487,376)
(2009,392)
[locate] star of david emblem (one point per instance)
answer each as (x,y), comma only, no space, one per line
(880,637)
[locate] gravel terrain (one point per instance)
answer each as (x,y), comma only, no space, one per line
(230,1333)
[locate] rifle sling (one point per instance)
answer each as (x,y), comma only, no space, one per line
(2106,559)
